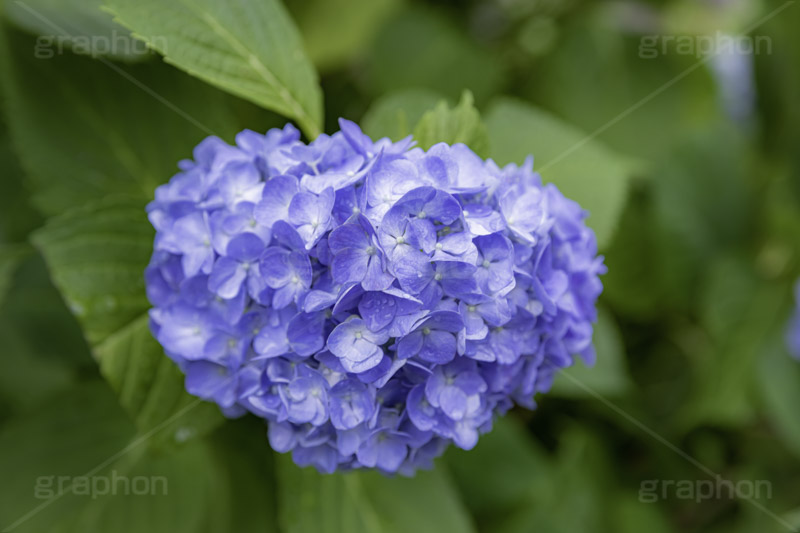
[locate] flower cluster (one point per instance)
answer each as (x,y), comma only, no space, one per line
(372,301)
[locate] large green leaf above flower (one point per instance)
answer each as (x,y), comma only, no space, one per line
(76,25)
(84,129)
(251,49)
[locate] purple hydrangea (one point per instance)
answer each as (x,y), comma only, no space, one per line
(372,301)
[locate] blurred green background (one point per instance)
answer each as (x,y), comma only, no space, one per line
(689,164)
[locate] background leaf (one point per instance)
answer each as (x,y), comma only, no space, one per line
(37,365)
(738,323)
(461,124)
(592,175)
(250,49)
(608,376)
(618,77)
(10,257)
(76,25)
(84,130)
(336,32)
(209,488)
(778,378)
(97,255)
(151,387)
(500,473)
(439,57)
(396,114)
(368,501)
(205,486)
(17,217)
(576,495)
(76,432)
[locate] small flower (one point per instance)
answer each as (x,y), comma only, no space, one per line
(351,404)
(305,398)
(240,265)
(311,215)
(212,381)
(289,273)
(191,239)
(357,256)
(276,200)
(357,348)
(434,339)
(495,263)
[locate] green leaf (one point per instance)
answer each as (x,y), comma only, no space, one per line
(395,114)
(28,377)
(150,386)
(17,216)
(84,130)
(36,365)
(81,451)
(182,488)
(337,31)
(420,47)
(367,502)
(739,312)
(10,257)
(631,515)
(583,169)
(70,436)
(574,498)
(501,472)
(250,49)
(696,212)
(247,470)
(778,379)
(648,269)
(97,256)
(595,73)
(461,124)
(608,376)
(77,25)
(209,485)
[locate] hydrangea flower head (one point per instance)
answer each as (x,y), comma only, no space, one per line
(372,301)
